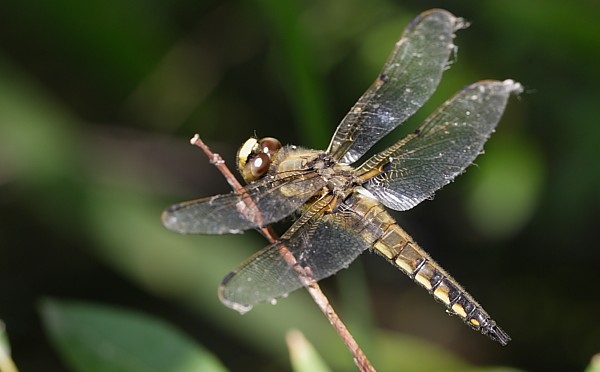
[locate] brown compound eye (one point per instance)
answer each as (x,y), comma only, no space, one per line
(269,145)
(257,167)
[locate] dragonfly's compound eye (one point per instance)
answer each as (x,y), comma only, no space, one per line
(257,167)
(269,145)
(254,157)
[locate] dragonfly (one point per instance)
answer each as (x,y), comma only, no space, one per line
(340,207)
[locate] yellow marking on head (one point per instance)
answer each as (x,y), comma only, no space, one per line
(475,322)
(423,280)
(441,292)
(460,310)
(245,150)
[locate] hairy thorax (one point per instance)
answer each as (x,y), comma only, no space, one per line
(293,160)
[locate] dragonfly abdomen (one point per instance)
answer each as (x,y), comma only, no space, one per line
(399,248)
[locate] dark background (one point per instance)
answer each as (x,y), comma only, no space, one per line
(99,98)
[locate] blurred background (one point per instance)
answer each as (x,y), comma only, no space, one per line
(99,98)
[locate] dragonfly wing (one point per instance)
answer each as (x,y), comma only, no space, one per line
(449,140)
(319,242)
(409,77)
(263,202)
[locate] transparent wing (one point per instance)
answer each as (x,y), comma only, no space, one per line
(265,201)
(323,243)
(409,77)
(450,139)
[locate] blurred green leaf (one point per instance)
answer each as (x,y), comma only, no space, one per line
(303,355)
(506,186)
(594,365)
(4,345)
(100,338)
(404,353)
(6,363)
(397,352)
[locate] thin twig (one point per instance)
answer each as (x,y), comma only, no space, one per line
(305,276)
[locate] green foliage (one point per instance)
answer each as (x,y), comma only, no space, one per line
(594,365)
(303,356)
(6,363)
(100,338)
(506,187)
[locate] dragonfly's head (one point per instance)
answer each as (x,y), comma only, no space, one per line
(254,157)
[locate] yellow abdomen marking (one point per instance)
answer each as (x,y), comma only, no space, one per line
(441,292)
(459,310)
